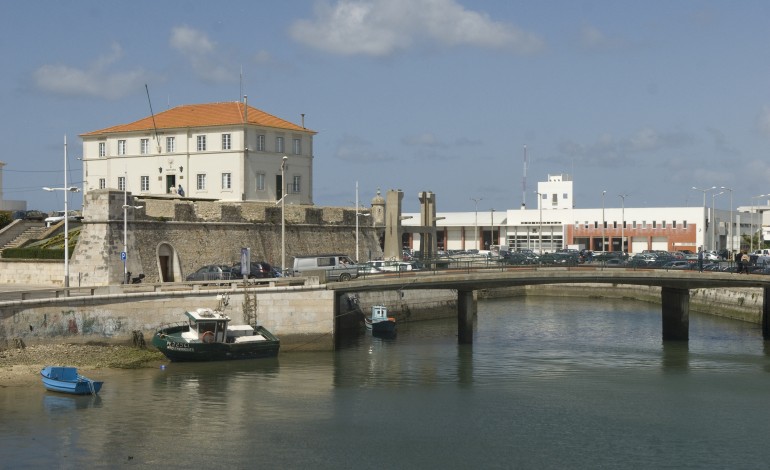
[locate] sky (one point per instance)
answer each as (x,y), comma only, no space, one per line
(647,99)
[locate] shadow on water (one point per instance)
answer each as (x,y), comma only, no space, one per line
(675,356)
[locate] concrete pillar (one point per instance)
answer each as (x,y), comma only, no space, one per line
(676,313)
(766,313)
(466,307)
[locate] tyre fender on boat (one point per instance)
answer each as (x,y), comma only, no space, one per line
(208,337)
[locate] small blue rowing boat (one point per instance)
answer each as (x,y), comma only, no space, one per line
(67,380)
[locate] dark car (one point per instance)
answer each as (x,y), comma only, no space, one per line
(29,215)
(259,270)
(211,272)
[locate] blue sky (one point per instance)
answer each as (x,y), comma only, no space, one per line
(641,98)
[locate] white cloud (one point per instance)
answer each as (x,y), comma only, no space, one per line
(383,27)
(94,81)
(203,55)
(609,150)
(355,149)
(592,38)
(763,121)
(423,140)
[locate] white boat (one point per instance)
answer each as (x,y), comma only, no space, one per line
(380,323)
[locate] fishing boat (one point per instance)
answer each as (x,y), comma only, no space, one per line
(380,323)
(208,336)
(67,380)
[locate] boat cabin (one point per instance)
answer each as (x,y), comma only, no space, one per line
(207,325)
(379,313)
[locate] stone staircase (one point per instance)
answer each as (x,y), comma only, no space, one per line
(31,233)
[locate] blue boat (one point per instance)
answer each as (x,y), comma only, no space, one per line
(67,380)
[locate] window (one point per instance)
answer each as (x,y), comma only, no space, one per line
(201,182)
(633,224)
(145,145)
(227,181)
(261,143)
(297,146)
(144,183)
(102,149)
(565,196)
(201,143)
(654,224)
(260,181)
(644,224)
(673,224)
(226,141)
(121,183)
(596,224)
(684,224)
(170,144)
(279,144)
(121,147)
(102,183)
(663,224)
(615,224)
(295,187)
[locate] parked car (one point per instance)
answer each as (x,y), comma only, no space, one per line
(212,272)
(259,270)
(29,215)
(678,264)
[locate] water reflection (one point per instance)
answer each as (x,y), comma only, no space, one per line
(64,404)
(675,356)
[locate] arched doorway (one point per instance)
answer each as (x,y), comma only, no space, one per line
(168,264)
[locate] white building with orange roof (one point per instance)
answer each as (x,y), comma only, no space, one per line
(222,151)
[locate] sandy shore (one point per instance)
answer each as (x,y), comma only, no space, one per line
(21,366)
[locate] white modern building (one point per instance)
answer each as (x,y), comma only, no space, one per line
(556,224)
(222,151)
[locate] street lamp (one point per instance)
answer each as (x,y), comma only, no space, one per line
(283,213)
(751,234)
(66,189)
(703,229)
(622,222)
(604,249)
(730,227)
(492,228)
(358,214)
(476,223)
(713,221)
(540,233)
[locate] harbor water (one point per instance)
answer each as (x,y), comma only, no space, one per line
(547,383)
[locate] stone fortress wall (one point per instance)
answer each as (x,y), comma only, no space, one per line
(168,238)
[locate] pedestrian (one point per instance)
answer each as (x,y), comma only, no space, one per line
(180,191)
(738,263)
(745,261)
(700,259)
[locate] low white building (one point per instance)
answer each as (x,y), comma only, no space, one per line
(223,151)
(555,224)
(6,204)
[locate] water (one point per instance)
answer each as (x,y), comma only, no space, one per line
(548,383)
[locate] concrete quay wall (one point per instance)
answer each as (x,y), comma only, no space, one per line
(300,316)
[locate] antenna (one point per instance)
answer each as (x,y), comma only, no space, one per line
(157,138)
(524,182)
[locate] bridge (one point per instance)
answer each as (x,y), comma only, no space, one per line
(675,289)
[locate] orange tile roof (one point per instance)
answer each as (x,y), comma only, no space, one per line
(202,115)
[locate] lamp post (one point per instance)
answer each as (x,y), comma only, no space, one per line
(476,223)
(730,227)
(540,231)
(66,190)
(622,222)
(713,221)
(124,255)
(283,213)
(751,234)
(704,191)
(492,228)
(604,250)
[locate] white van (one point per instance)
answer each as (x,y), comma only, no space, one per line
(337,267)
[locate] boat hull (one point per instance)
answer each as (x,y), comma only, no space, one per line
(67,380)
(169,341)
(384,329)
